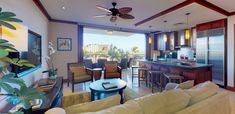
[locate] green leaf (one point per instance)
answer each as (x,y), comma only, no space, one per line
(3,41)
(8,25)
(6,15)
(18,113)
(12,19)
(6,87)
(3,53)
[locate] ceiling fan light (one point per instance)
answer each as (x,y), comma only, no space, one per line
(113,18)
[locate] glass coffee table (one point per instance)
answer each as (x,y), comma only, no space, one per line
(97,88)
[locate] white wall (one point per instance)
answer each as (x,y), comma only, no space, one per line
(32,17)
(61,58)
(231,23)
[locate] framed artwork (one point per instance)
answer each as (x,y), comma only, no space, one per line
(64,44)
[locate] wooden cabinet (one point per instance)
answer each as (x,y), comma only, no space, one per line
(170,44)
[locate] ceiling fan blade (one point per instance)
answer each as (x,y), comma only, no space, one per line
(102,15)
(125,10)
(103,9)
(126,16)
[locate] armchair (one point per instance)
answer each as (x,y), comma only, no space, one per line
(77,73)
(112,70)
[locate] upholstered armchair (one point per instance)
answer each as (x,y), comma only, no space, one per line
(112,70)
(77,73)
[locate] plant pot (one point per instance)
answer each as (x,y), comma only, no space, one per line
(28,111)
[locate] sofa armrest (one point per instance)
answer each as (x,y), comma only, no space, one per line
(76,98)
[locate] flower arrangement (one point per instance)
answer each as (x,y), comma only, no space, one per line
(52,71)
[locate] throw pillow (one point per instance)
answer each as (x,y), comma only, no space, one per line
(202,92)
(186,85)
(95,105)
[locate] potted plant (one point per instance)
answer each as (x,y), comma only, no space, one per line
(52,71)
(14,88)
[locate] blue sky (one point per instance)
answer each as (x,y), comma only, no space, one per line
(122,42)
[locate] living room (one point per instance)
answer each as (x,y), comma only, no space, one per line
(186,65)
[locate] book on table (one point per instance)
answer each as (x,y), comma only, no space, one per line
(108,85)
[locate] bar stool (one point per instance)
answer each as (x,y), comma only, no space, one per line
(142,75)
(156,74)
(173,77)
(134,75)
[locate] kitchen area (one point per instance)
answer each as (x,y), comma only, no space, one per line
(198,53)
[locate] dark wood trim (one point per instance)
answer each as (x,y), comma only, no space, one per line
(176,7)
(80,43)
(213,7)
(226,53)
(63,21)
(232,13)
(234,56)
(230,88)
(42,9)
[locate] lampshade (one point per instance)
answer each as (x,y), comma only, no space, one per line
(187,34)
(150,40)
(165,37)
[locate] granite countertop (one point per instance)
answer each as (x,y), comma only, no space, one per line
(178,64)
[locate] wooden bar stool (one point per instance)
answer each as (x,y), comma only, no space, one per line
(142,75)
(173,77)
(156,74)
(133,74)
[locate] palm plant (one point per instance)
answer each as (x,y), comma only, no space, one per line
(23,94)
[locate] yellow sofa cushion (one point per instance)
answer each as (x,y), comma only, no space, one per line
(167,102)
(95,105)
(130,107)
(75,98)
(202,91)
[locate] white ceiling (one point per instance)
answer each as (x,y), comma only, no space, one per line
(228,5)
(104,32)
(83,11)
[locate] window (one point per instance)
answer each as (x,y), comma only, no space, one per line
(113,45)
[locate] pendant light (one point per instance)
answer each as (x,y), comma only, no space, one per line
(165,35)
(150,37)
(188,30)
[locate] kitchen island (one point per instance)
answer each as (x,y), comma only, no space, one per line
(197,72)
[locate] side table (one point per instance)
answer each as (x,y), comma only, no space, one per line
(96,73)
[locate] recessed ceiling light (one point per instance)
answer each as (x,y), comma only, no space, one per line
(63,8)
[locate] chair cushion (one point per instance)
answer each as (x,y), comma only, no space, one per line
(113,75)
(78,70)
(130,107)
(167,102)
(95,105)
(111,68)
(202,91)
(79,78)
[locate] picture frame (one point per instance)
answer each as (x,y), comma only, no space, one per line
(64,44)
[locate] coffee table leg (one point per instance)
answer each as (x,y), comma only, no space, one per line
(98,96)
(121,93)
(92,95)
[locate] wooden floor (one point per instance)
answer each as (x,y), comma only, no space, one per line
(142,90)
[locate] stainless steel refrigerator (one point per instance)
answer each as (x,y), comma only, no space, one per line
(210,50)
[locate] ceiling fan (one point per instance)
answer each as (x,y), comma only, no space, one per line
(114,12)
